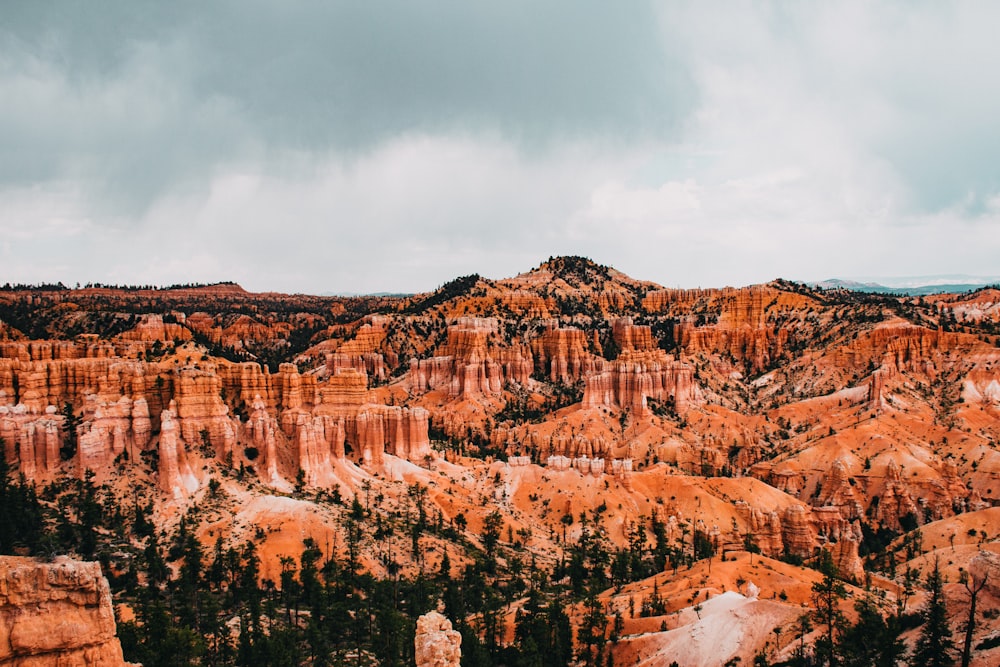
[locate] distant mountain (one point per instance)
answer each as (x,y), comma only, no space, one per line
(394,295)
(912,285)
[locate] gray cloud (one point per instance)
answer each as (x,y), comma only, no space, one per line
(911,83)
(325,146)
(136,99)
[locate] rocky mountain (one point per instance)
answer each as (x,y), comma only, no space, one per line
(648,451)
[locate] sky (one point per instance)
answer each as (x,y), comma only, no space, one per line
(320,146)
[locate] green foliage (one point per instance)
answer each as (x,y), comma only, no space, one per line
(591,634)
(703,547)
(875,540)
(450,290)
(70,428)
(22,519)
(575,269)
(935,647)
(872,641)
(826,597)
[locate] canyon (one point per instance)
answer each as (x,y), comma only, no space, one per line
(752,430)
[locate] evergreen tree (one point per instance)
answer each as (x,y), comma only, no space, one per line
(542,635)
(826,597)
(802,658)
(189,589)
(70,427)
(89,515)
(22,522)
(935,646)
(872,641)
(591,634)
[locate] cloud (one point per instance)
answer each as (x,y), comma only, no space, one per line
(410,215)
(138,101)
(904,84)
(334,146)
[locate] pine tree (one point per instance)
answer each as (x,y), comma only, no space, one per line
(935,645)
(871,642)
(22,523)
(591,633)
(826,597)
(71,425)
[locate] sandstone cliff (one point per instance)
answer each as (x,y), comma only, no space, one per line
(472,363)
(56,613)
(640,372)
(186,413)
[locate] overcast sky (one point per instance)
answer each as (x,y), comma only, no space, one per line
(321,146)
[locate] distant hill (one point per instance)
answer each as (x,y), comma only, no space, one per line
(911,286)
(351,295)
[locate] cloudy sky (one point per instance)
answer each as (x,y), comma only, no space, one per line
(323,146)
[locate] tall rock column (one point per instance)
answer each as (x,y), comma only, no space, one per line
(175,474)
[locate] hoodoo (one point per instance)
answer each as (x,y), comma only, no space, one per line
(536,456)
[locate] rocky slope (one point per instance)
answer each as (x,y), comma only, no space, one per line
(572,400)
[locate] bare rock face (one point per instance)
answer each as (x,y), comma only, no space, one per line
(471,363)
(561,354)
(897,501)
(797,533)
(641,371)
(200,410)
(362,352)
(741,329)
(633,378)
(838,492)
(436,644)
(765,527)
(176,475)
(986,564)
(371,364)
(129,407)
(32,439)
(56,613)
(846,558)
(153,328)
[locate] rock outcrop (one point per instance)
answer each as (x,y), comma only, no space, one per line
(176,475)
(641,372)
(562,355)
(362,353)
(735,322)
(472,363)
(896,501)
(185,413)
(56,613)
(436,644)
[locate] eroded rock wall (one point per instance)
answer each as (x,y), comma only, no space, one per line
(56,613)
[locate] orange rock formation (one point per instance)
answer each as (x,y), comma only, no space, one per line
(56,613)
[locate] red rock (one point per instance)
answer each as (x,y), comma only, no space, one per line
(630,380)
(176,477)
(561,354)
(56,613)
(471,363)
(435,643)
(152,328)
